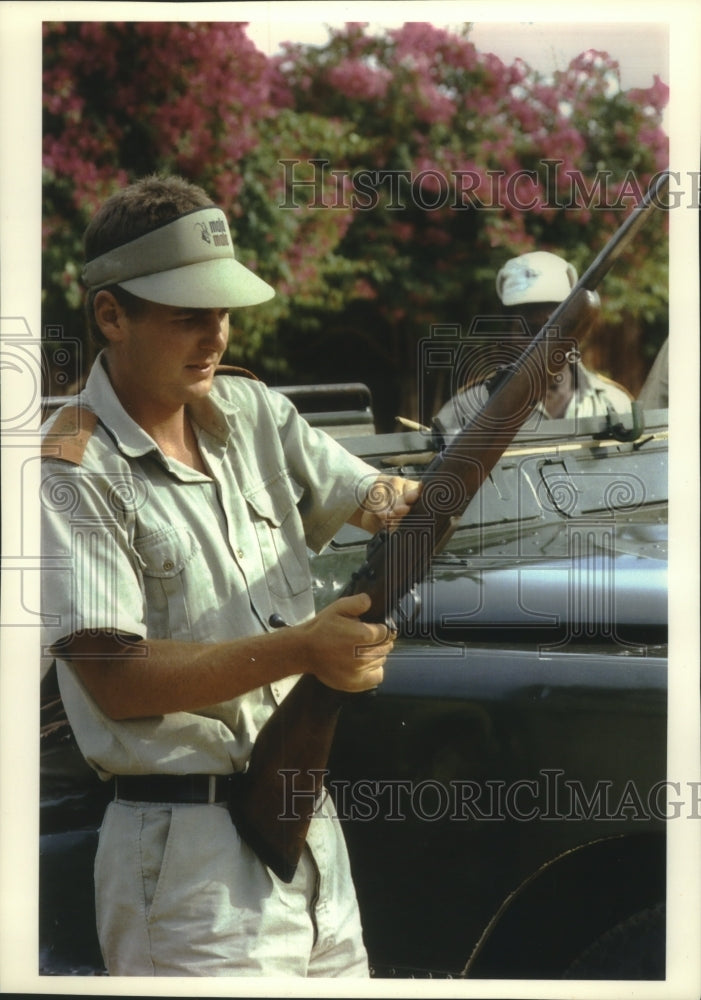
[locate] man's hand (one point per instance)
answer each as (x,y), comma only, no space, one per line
(344,652)
(386,502)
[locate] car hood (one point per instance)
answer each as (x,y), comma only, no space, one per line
(565,540)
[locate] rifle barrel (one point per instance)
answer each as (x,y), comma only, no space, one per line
(623,236)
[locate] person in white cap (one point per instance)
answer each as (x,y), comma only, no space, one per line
(177,508)
(530,287)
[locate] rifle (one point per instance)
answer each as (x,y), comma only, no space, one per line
(265,798)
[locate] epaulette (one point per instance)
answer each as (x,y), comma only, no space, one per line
(235,370)
(68,436)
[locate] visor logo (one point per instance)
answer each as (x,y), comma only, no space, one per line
(202,226)
(215,231)
(220,236)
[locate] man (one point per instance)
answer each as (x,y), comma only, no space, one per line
(530,288)
(177,510)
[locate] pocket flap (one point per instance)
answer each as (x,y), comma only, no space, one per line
(166,552)
(274,499)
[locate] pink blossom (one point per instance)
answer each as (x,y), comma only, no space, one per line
(355,79)
(655,97)
(362,289)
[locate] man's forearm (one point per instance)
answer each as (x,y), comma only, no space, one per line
(157,676)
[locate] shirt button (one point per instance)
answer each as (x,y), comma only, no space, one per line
(239,553)
(168,565)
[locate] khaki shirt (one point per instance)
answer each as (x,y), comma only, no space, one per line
(138,543)
(593,396)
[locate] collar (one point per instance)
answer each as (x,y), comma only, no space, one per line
(210,413)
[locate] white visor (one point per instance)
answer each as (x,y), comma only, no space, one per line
(188,263)
(538,276)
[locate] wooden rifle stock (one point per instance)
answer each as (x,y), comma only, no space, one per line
(274,799)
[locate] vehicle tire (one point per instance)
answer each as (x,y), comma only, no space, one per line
(633,949)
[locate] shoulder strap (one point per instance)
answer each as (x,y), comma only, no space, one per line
(234,370)
(69,434)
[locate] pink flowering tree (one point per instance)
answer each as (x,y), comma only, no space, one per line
(377,182)
(461,161)
(122,100)
(198,99)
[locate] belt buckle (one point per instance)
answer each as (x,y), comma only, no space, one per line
(212,789)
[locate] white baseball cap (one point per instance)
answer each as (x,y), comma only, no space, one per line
(538,276)
(188,262)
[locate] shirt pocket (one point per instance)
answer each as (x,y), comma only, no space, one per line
(280,534)
(178,601)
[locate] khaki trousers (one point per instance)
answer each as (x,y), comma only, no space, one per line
(178,893)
